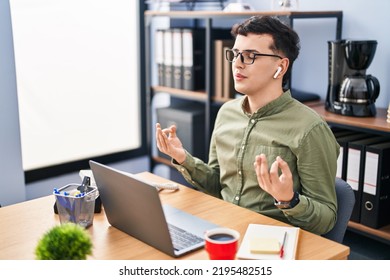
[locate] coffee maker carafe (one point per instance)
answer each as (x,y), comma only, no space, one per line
(350,91)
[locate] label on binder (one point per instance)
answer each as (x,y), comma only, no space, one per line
(187,49)
(353,168)
(371,173)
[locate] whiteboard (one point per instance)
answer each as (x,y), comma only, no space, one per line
(78,81)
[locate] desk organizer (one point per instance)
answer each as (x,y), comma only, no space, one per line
(76,206)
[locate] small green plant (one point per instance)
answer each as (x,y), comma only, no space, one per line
(64,242)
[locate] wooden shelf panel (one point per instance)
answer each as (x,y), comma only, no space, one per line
(382,233)
(221,100)
(377,123)
(185,94)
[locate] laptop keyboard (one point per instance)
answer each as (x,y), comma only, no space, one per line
(182,239)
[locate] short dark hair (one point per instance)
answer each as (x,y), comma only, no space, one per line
(286,40)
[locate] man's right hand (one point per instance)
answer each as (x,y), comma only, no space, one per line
(169,144)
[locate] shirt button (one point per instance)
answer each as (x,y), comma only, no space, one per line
(252,121)
(237,198)
(239,172)
(243,147)
(182,169)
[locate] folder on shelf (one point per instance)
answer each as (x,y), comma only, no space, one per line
(159,55)
(342,161)
(193,58)
(375,207)
(228,82)
(339,132)
(177,58)
(355,169)
(219,61)
(168,58)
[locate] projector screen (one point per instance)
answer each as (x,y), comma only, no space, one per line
(78,79)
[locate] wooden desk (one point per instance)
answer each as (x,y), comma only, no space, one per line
(22,225)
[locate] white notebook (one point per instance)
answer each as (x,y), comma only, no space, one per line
(267,232)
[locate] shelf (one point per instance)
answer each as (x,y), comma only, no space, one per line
(184,94)
(382,234)
(373,124)
(222,14)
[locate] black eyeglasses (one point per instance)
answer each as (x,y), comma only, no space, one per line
(247,57)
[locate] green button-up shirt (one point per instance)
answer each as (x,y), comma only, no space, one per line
(286,128)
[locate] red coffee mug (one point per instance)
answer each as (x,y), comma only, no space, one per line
(222,243)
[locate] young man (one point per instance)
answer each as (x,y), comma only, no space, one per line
(269,153)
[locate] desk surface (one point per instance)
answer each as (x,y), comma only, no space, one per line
(23,224)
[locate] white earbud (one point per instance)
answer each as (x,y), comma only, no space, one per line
(277,72)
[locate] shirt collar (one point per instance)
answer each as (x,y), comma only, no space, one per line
(271,108)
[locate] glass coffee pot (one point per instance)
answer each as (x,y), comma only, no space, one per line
(359,88)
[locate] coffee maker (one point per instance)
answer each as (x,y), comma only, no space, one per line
(350,91)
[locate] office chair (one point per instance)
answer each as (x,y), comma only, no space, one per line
(345,201)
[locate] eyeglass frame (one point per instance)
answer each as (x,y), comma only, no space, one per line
(255,54)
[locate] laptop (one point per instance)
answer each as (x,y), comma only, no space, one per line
(134,207)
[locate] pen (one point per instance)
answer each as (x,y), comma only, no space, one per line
(282,247)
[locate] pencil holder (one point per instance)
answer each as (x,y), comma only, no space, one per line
(75,205)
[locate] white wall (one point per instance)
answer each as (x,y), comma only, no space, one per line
(12,188)
(364,20)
